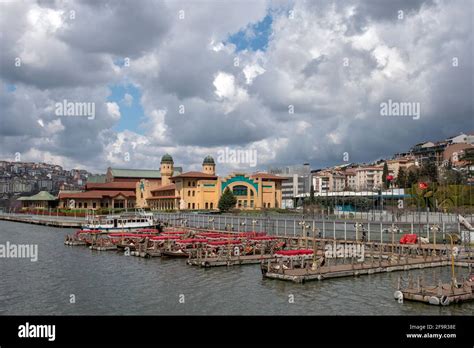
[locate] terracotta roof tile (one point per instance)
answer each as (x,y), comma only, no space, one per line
(195,175)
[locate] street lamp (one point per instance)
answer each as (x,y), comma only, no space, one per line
(452,259)
(211,220)
(254,222)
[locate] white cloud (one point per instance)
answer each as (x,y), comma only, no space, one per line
(113,109)
(127,99)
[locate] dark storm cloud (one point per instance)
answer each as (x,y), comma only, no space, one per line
(124,28)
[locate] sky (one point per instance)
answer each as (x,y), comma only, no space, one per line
(287,81)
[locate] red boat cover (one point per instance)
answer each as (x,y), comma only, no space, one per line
(252,234)
(165,238)
(174,232)
(409,239)
(294,252)
(214,234)
(192,240)
(88,231)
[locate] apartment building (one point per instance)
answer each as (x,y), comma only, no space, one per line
(369,178)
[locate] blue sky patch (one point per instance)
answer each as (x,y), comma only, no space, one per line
(254,37)
(131,110)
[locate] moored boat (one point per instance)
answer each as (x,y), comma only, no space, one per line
(138,220)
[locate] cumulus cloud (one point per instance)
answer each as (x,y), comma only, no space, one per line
(311,94)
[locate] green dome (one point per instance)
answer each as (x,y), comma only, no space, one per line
(167,158)
(208,160)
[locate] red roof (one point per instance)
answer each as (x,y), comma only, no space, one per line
(165,188)
(195,175)
(121,185)
(267,176)
(96,194)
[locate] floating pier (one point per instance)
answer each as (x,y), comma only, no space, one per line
(44,220)
(443,294)
(228,261)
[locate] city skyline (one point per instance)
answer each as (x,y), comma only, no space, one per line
(296,82)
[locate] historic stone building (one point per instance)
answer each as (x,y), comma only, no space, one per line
(202,190)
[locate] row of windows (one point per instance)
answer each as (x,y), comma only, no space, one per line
(191,183)
(207,205)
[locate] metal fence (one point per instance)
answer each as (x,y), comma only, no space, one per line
(299,227)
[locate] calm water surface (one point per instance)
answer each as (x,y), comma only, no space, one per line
(108,283)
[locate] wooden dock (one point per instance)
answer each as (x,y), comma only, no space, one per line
(438,295)
(103,248)
(228,261)
(301,275)
(75,242)
(44,220)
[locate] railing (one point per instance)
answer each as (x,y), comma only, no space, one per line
(293,227)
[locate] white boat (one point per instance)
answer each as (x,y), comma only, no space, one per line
(126,221)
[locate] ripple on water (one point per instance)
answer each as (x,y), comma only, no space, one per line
(110,283)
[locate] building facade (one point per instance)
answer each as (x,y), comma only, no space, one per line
(297,182)
(202,190)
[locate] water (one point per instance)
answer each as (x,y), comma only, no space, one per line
(108,283)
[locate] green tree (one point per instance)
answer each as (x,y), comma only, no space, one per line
(386,182)
(401,178)
(227,200)
(311,195)
(429,171)
(412,177)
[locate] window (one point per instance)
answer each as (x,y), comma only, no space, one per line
(239,190)
(212,205)
(80,204)
(251,203)
(189,193)
(193,205)
(85,204)
(245,204)
(189,183)
(193,193)
(94,205)
(206,205)
(118,204)
(189,205)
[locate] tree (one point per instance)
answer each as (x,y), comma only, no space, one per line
(429,171)
(311,195)
(227,200)
(412,177)
(386,182)
(401,178)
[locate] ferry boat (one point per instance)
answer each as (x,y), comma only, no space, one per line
(126,221)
